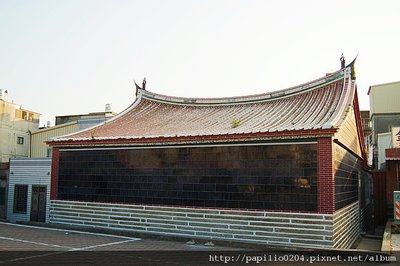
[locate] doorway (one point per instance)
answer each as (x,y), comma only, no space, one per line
(38,204)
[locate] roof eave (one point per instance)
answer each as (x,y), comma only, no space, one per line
(244,137)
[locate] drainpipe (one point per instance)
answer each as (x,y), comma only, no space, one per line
(30,143)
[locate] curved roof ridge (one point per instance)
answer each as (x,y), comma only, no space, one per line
(314,84)
(315,107)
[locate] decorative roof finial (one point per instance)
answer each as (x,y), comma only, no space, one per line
(342,62)
(144,84)
(137,88)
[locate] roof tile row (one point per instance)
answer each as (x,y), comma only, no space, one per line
(307,107)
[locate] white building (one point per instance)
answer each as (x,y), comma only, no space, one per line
(16,126)
(384,142)
(29,178)
(385,114)
(29,190)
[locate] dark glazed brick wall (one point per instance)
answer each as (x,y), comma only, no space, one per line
(347,168)
(250,177)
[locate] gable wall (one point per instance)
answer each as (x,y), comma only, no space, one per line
(347,133)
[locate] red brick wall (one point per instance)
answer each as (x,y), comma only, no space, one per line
(326,184)
(54,173)
(392,154)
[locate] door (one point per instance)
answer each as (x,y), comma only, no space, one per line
(38,205)
(379,196)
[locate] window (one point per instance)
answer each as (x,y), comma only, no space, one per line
(20,140)
(20,198)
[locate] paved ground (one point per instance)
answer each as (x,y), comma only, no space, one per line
(370,244)
(27,245)
(22,238)
(22,244)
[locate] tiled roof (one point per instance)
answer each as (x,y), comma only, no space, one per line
(318,105)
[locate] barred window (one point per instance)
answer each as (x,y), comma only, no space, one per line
(20,140)
(20,198)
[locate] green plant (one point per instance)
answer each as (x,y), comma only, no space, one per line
(93,133)
(235,123)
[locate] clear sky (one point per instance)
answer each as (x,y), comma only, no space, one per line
(74,56)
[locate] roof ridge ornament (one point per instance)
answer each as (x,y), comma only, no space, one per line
(342,62)
(144,84)
(352,68)
(137,87)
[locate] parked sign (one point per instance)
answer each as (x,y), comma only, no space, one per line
(396,137)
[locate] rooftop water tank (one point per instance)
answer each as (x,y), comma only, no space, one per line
(3,95)
(108,108)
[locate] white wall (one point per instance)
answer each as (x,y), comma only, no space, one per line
(269,228)
(28,172)
(384,98)
(384,142)
(14,125)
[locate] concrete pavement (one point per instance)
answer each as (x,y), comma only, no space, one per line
(27,245)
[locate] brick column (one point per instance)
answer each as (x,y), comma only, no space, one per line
(326,182)
(54,173)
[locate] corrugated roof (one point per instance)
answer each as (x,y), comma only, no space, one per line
(316,105)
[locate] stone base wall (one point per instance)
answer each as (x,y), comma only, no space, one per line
(269,228)
(346,226)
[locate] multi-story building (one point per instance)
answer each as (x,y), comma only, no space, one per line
(16,126)
(384,113)
(29,182)
(385,118)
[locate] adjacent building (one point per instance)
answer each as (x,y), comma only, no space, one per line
(16,126)
(39,147)
(64,125)
(286,168)
(366,123)
(86,120)
(384,113)
(385,119)
(29,182)
(393,160)
(29,190)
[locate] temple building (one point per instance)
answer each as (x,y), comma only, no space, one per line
(286,168)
